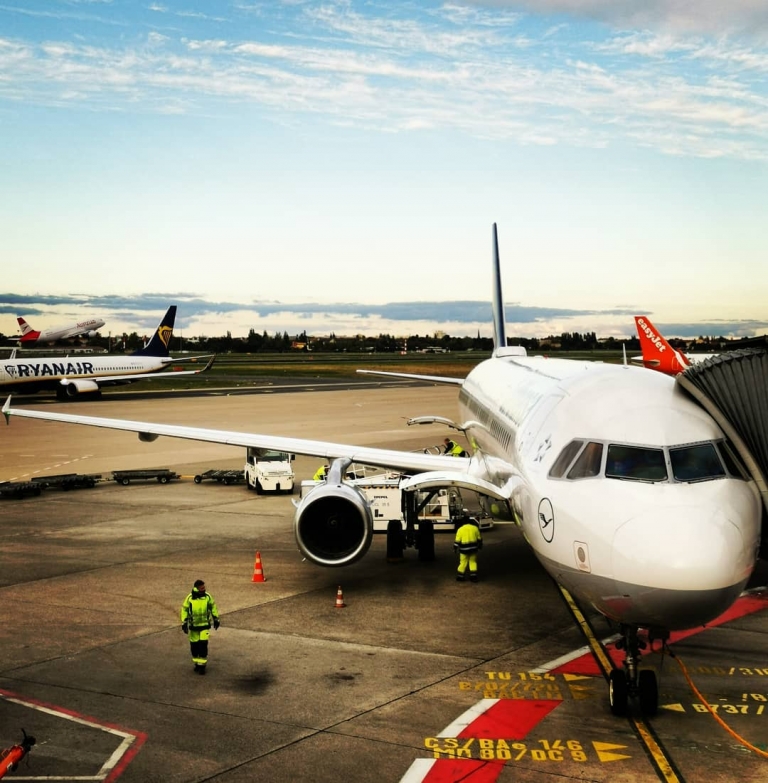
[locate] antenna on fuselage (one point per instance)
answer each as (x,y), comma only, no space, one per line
(499,326)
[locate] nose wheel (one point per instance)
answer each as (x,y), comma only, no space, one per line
(629,682)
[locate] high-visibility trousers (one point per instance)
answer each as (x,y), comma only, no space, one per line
(198,644)
(468,559)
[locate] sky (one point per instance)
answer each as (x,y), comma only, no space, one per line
(337,166)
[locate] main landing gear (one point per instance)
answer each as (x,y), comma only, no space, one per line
(631,682)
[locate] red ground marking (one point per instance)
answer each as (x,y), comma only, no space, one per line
(465,770)
(510,719)
(139,736)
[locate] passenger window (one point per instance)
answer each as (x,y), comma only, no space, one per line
(696,463)
(588,463)
(633,463)
(566,457)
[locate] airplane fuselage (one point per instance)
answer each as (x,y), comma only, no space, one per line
(658,552)
(53,335)
(31,375)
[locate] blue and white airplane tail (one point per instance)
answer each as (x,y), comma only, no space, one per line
(161,339)
(500,347)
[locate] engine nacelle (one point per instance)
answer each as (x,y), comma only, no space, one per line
(92,333)
(334,525)
(73,387)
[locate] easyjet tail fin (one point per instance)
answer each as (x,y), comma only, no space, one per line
(161,339)
(658,354)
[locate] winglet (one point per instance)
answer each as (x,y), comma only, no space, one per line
(7,409)
(658,354)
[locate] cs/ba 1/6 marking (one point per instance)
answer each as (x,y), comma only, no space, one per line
(507,750)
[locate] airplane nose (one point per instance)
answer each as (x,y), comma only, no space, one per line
(684,548)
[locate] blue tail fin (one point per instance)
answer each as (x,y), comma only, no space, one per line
(500,347)
(499,325)
(161,339)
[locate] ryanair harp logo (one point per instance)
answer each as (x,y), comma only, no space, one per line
(165,333)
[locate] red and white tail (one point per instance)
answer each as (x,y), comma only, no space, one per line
(658,354)
(28,334)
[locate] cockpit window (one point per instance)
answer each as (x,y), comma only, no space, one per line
(635,464)
(732,463)
(696,463)
(588,463)
(566,457)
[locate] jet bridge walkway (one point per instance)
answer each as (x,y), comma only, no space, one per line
(733,389)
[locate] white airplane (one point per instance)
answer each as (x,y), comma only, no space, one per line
(624,487)
(70,376)
(30,337)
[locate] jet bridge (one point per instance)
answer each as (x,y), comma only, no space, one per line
(733,389)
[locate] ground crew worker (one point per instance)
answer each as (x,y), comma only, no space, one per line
(469,541)
(321,473)
(453,448)
(198,612)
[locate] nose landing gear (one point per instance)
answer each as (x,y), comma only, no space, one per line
(630,682)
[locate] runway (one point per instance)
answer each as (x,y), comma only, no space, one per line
(417,678)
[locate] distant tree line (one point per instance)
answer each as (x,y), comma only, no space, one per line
(282,342)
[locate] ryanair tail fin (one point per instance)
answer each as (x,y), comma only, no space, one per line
(658,354)
(161,339)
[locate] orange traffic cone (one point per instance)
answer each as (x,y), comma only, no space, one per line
(258,573)
(339,599)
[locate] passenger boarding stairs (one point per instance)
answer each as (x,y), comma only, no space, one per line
(733,389)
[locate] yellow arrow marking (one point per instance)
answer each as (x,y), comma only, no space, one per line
(604,751)
(572,677)
(581,691)
(672,707)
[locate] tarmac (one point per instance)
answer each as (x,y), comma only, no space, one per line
(418,677)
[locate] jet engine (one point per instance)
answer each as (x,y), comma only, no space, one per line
(92,333)
(334,525)
(70,388)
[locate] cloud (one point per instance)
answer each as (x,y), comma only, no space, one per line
(460,317)
(711,17)
(470,68)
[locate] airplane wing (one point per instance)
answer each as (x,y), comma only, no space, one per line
(414,377)
(147,431)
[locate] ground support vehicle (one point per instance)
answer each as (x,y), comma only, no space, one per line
(19,489)
(67,481)
(221,476)
(162,475)
(441,507)
(267,470)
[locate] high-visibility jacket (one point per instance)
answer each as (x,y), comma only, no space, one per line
(454,449)
(320,473)
(468,538)
(199,610)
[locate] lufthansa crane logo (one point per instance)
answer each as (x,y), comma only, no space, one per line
(164,333)
(546,520)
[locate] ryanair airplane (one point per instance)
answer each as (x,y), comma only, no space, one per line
(71,376)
